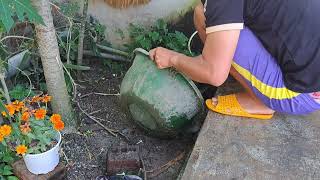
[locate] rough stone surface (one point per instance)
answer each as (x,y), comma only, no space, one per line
(286,147)
(21,171)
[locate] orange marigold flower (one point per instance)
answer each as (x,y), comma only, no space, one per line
(21,149)
(55,118)
(18,105)
(46,98)
(11,109)
(1,137)
(25,129)
(16,102)
(5,130)
(59,125)
(4,114)
(36,99)
(25,116)
(25,109)
(40,114)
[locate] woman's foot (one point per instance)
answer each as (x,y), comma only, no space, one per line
(249,104)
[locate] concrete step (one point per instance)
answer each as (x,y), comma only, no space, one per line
(286,147)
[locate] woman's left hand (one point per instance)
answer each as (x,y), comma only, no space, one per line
(162,57)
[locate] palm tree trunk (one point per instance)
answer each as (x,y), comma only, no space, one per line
(52,65)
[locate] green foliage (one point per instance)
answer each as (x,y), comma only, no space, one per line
(67,46)
(42,133)
(9,9)
(114,66)
(157,35)
(19,92)
(43,87)
(70,9)
(68,38)
(69,82)
(6,159)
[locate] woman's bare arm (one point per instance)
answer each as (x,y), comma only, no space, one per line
(212,67)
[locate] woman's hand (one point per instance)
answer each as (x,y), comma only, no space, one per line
(163,57)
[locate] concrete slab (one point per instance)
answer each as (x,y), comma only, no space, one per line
(286,147)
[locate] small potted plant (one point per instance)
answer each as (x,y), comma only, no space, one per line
(33,134)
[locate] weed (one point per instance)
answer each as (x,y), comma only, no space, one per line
(19,92)
(157,35)
(88,133)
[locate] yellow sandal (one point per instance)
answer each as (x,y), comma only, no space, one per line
(229,105)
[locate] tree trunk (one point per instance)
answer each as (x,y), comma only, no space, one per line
(52,65)
(81,35)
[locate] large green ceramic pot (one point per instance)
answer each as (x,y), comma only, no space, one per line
(163,102)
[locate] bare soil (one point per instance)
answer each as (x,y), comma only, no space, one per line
(86,150)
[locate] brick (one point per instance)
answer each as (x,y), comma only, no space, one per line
(124,158)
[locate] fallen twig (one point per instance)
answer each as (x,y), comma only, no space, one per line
(111,131)
(19,37)
(161,169)
(102,119)
(85,95)
(124,136)
(65,156)
(103,94)
(144,169)
(94,112)
(90,155)
(100,94)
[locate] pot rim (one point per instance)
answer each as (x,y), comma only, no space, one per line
(58,144)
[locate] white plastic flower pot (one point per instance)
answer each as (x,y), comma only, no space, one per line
(45,162)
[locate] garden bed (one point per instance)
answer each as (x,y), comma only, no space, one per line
(85,151)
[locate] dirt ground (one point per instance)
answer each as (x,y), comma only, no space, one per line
(86,150)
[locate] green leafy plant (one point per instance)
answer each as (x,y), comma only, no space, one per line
(157,35)
(9,9)
(6,159)
(20,92)
(31,130)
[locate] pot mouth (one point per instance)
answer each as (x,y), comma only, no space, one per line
(54,147)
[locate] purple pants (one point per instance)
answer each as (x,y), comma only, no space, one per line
(263,75)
